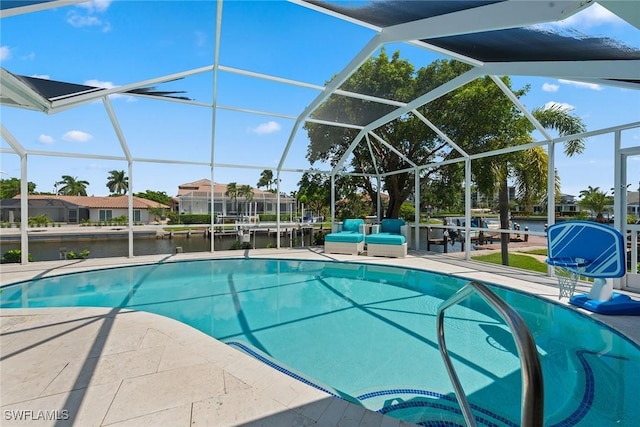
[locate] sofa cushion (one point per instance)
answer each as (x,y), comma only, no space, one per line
(385,239)
(352,224)
(344,237)
(391,225)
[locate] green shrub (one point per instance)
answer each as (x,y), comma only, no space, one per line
(274,217)
(407,212)
(318,238)
(236,245)
(39,221)
(120,220)
(14,256)
(175,218)
(82,255)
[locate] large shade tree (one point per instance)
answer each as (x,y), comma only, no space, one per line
(478,117)
(386,77)
(72,186)
(10,188)
(314,191)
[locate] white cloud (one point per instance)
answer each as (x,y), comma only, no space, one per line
(99,83)
(106,85)
(592,16)
(266,128)
(85,15)
(29,57)
(5,53)
(77,136)
(562,105)
(548,87)
(584,85)
(79,21)
(45,139)
(95,5)
(41,76)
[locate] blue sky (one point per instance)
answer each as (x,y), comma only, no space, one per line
(112,43)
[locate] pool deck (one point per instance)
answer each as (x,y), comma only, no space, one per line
(114,367)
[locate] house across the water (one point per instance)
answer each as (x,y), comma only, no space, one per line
(78,209)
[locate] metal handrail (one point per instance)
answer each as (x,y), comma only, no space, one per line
(532,384)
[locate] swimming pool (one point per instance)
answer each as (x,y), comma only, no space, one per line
(367,333)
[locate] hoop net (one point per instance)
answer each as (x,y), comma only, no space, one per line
(566,282)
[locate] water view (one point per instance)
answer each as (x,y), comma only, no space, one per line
(197,242)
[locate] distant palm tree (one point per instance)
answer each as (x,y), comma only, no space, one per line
(595,200)
(247,192)
(266,179)
(118,182)
(71,186)
(232,193)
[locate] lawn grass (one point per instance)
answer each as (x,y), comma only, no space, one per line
(536,252)
(183,228)
(515,260)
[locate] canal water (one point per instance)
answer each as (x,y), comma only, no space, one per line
(106,248)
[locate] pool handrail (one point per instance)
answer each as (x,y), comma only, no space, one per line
(532,412)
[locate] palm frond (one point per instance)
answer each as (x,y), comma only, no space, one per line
(152,91)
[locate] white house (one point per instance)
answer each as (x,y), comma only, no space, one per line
(195,198)
(76,209)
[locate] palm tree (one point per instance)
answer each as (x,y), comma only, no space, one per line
(232,193)
(71,186)
(595,200)
(266,179)
(528,167)
(118,182)
(247,192)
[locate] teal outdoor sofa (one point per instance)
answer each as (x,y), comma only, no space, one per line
(348,240)
(391,241)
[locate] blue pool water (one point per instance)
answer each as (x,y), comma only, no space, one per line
(368,334)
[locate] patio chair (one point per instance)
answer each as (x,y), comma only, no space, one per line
(390,241)
(349,240)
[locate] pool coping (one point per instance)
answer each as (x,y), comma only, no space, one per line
(123,367)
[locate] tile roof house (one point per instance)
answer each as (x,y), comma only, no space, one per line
(76,209)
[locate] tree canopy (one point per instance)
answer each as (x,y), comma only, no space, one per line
(266,179)
(596,201)
(72,186)
(478,117)
(9,188)
(156,196)
(117,182)
(391,78)
(233,193)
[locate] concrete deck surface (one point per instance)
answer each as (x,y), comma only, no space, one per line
(113,367)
